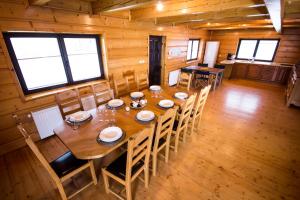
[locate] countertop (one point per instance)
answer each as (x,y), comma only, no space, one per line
(230,62)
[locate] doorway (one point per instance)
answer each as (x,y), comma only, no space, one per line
(155,59)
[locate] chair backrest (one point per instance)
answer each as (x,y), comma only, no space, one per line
(186,111)
(142,80)
(121,87)
(139,149)
(219,66)
(164,125)
(102,93)
(184,80)
(68,102)
(130,77)
(202,64)
(199,105)
(37,152)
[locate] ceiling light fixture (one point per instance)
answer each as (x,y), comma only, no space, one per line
(257,15)
(257,5)
(159,6)
(208,23)
(196,20)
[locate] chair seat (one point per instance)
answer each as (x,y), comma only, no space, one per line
(118,166)
(66,164)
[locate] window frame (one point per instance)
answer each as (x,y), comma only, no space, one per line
(256,48)
(64,57)
(193,39)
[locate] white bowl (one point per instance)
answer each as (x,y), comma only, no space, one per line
(79,116)
(181,95)
(136,95)
(110,134)
(114,103)
(145,115)
(155,88)
(166,103)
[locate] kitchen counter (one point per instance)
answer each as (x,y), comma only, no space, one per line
(230,62)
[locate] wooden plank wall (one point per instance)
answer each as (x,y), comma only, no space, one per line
(126,48)
(288,50)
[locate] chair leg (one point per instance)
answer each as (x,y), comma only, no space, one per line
(184,134)
(128,190)
(167,151)
(154,163)
(176,142)
(61,190)
(92,168)
(146,171)
(105,180)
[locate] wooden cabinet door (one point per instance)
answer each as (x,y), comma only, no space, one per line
(268,73)
(254,71)
(282,74)
(239,71)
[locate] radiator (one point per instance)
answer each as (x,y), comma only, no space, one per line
(173,77)
(46,120)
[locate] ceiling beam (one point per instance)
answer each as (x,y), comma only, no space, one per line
(230,13)
(39,2)
(117,5)
(276,11)
(174,8)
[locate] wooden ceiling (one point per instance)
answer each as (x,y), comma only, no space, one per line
(197,14)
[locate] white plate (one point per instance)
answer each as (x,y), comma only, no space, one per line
(79,116)
(136,95)
(181,95)
(145,115)
(166,103)
(114,103)
(110,134)
(155,87)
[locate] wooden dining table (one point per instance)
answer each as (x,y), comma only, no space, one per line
(82,140)
(215,71)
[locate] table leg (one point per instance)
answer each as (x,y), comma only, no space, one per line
(216,79)
(221,79)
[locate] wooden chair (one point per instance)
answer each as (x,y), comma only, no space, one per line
(121,87)
(131,80)
(126,168)
(184,80)
(68,102)
(102,93)
(142,81)
(203,79)
(181,123)
(63,168)
(198,108)
(162,136)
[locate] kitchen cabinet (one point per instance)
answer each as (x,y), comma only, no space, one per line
(268,73)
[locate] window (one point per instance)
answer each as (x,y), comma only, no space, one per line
(259,49)
(193,49)
(44,61)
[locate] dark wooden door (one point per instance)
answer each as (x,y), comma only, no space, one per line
(155,48)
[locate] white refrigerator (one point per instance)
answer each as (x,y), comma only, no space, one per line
(211,53)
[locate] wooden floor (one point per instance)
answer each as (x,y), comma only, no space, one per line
(248,148)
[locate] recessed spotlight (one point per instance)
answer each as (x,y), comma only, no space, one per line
(184,10)
(244,25)
(196,20)
(159,6)
(160,28)
(208,23)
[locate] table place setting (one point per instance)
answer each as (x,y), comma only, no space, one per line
(166,103)
(115,104)
(110,135)
(78,118)
(181,95)
(145,116)
(137,95)
(155,88)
